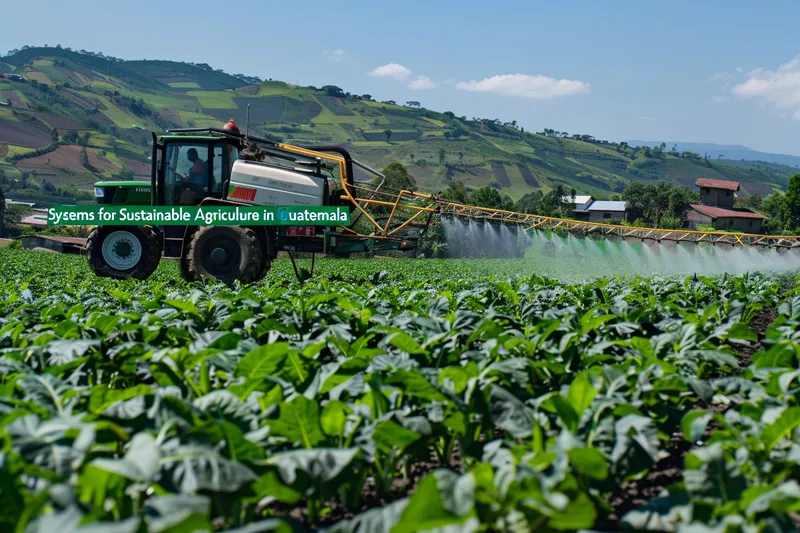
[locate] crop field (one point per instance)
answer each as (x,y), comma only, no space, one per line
(396,395)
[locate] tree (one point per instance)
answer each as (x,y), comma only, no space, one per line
(441,156)
(529,203)
(556,203)
(456,192)
(397,179)
(54,135)
(388,134)
(412,103)
(754,202)
(84,158)
(490,198)
(460,156)
(791,204)
(366,96)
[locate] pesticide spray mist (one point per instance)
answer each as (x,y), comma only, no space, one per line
(589,256)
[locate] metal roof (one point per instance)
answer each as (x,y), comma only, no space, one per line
(606,205)
(719,212)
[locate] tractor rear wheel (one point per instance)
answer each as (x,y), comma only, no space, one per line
(225,253)
(123,252)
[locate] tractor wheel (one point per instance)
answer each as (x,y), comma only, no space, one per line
(123,252)
(226,253)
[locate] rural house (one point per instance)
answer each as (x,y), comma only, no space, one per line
(589,209)
(605,210)
(716,207)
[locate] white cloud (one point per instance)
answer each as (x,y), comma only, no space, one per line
(719,99)
(336,55)
(392,70)
(537,87)
(421,83)
(779,87)
(719,76)
(738,69)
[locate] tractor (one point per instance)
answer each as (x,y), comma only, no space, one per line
(222,167)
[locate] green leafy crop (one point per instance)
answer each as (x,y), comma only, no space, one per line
(394,396)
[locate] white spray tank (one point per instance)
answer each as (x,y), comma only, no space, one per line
(258,183)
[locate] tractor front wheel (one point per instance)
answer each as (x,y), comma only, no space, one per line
(226,253)
(123,252)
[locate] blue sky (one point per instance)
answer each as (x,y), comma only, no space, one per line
(711,71)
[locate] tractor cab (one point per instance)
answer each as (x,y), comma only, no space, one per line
(193,169)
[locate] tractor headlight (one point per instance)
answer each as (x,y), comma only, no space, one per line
(99,192)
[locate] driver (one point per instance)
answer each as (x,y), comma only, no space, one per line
(196,174)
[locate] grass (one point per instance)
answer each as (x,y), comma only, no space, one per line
(184,85)
(18,150)
(214,99)
(200,120)
(121,118)
(274,88)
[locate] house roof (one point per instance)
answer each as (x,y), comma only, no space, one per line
(718,184)
(606,205)
(34,220)
(580,201)
(718,212)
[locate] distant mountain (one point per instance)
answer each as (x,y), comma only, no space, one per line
(70,118)
(727,151)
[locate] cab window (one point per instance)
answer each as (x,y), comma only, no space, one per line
(193,171)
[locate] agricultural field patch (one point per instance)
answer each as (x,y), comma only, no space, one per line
(25,135)
(267,109)
(214,99)
(527,176)
(139,168)
(500,174)
(756,188)
(274,88)
(184,85)
(397,135)
(174,80)
(403,393)
(250,90)
(299,111)
(67,158)
(15,99)
(335,105)
(73,77)
(57,122)
(40,77)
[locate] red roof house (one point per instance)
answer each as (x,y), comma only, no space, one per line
(716,207)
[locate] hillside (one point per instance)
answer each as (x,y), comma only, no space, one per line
(101,110)
(735,152)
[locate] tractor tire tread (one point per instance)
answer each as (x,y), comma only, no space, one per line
(151,253)
(251,251)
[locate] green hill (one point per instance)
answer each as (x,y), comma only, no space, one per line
(103,110)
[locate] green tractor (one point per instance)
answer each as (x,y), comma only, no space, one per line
(221,167)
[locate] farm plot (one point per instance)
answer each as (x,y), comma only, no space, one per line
(20,134)
(500,174)
(267,109)
(67,158)
(396,396)
(335,106)
(527,175)
(14,99)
